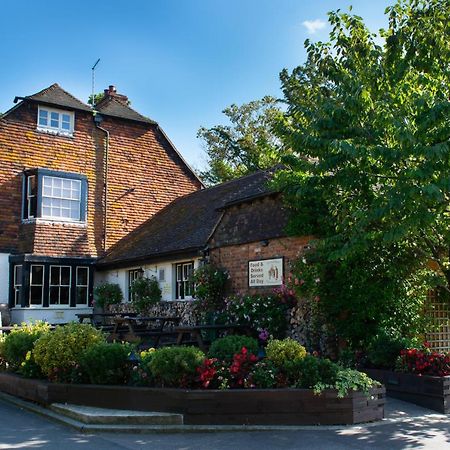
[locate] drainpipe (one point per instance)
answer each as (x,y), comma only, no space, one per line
(98,119)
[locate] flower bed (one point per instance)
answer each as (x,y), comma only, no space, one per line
(232,407)
(424,390)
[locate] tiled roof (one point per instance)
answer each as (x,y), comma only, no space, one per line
(56,95)
(187,223)
(112,106)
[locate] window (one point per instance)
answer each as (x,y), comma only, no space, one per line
(36,284)
(162,275)
(184,284)
(17,284)
(59,286)
(55,121)
(32,196)
(82,284)
(55,195)
(133,275)
(61,198)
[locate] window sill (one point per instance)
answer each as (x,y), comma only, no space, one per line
(41,221)
(21,308)
(67,134)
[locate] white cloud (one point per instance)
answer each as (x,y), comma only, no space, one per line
(314,25)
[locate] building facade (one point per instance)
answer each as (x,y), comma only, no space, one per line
(74,182)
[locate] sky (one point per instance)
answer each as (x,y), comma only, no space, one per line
(180,62)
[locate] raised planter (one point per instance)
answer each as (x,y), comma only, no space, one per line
(227,407)
(430,392)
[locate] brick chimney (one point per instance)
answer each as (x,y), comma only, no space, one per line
(112,92)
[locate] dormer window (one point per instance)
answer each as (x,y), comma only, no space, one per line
(55,196)
(55,121)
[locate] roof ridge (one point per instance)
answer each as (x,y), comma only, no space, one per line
(54,86)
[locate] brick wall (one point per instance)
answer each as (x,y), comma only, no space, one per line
(144,175)
(235,259)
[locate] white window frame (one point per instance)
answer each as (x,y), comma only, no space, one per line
(61,197)
(33,285)
(59,129)
(184,280)
(18,286)
(135,274)
(30,195)
(77,285)
(59,286)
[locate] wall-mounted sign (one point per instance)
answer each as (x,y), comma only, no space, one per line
(265,272)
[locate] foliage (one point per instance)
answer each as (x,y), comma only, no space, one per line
(107,294)
(263,375)
(307,372)
(176,366)
(225,348)
(372,123)
(259,312)
(280,351)
(209,288)
(348,380)
(105,363)
(20,341)
(424,361)
(96,98)
(146,293)
(246,145)
(240,369)
(384,350)
(58,353)
(141,374)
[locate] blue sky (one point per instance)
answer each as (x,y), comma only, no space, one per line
(181,62)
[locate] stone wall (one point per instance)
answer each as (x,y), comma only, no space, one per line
(183,309)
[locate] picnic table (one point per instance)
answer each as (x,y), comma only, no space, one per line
(91,316)
(195,332)
(132,329)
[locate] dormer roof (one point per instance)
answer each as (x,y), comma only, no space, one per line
(55,95)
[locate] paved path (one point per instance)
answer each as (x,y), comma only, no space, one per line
(422,430)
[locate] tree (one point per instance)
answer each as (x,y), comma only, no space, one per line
(373,122)
(247,145)
(94,100)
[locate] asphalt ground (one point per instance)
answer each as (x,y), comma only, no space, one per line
(407,427)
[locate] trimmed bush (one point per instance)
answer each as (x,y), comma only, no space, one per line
(105,363)
(280,351)
(20,341)
(307,372)
(107,294)
(384,350)
(225,348)
(176,366)
(146,293)
(58,353)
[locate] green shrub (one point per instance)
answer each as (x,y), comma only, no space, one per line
(209,288)
(105,363)
(20,341)
(225,348)
(348,380)
(280,351)
(58,353)
(384,350)
(176,366)
(107,294)
(307,372)
(146,293)
(263,375)
(141,374)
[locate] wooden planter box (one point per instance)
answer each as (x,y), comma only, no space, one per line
(430,392)
(208,407)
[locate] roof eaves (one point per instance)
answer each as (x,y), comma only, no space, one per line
(163,256)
